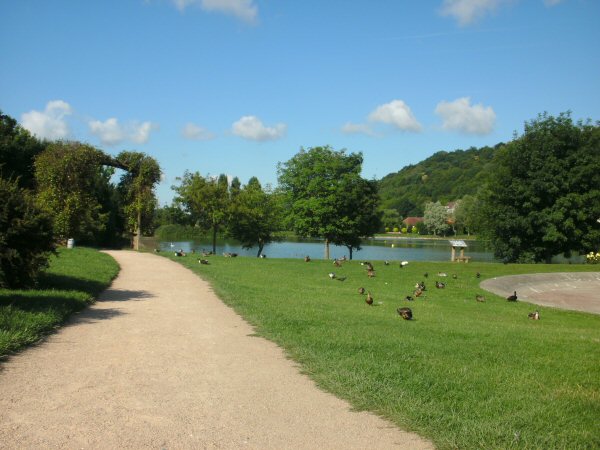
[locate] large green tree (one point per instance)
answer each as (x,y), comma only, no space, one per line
(142,173)
(544,195)
(26,238)
(255,216)
(206,200)
(327,198)
(66,173)
(18,150)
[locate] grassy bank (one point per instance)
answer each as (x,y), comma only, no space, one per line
(74,279)
(463,374)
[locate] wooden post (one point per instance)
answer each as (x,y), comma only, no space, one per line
(453,254)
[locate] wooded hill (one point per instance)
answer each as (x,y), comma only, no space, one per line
(444,176)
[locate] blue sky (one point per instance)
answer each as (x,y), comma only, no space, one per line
(236,86)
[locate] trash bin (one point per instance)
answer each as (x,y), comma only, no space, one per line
(70,243)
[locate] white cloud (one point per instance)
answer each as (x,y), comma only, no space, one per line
(396,113)
(357,128)
(111,132)
(250,127)
(459,115)
(194,132)
(245,10)
(469,11)
(49,124)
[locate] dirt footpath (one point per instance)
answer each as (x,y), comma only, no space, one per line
(160,363)
(578,291)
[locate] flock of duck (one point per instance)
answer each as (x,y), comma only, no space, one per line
(404,312)
(420,287)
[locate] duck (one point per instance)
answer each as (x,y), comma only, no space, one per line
(512,298)
(332,275)
(307,258)
(477,275)
(405,313)
(480,298)
(442,274)
(361,290)
(336,263)
(204,261)
(534,315)
(454,276)
(418,293)
(368,265)
(404,263)
(370,273)
(409,298)
(440,285)
(426,274)
(369,299)
(386,263)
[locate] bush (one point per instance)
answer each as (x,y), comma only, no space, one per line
(593,258)
(396,229)
(26,238)
(404,230)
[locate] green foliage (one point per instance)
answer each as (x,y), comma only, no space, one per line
(176,232)
(444,177)
(464,374)
(544,195)
(137,190)
(326,196)
(18,150)
(390,218)
(206,200)
(66,174)
(436,218)
(75,277)
(26,239)
(255,216)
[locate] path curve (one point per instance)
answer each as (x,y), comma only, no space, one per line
(579,291)
(160,362)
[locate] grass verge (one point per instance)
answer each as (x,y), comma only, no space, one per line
(464,374)
(74,279)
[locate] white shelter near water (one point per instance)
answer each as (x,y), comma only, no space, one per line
(460,245)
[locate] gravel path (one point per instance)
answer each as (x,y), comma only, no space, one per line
(579,291)
(160,362)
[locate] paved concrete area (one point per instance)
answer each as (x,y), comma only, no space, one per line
(579,291)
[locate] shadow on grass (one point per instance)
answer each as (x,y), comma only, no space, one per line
(67,283)
(35,302)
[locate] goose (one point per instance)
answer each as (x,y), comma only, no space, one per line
(370,273)
(442,274)
(534,315)
(512,298)
(307,258)
(386,263)
(418,293)
(369,299)
(405,313)
(404,263)
(336,263)
(332,275)
(361,290)
(440,285)
(203,261)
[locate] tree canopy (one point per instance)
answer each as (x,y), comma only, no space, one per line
(544,194)
(327,198)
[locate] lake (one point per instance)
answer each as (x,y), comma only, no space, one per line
(392,249)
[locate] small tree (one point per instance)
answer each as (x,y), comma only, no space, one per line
(255,216)
(436,218)
(26,239)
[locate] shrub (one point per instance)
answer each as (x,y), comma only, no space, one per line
(593,258)
(396,229)
(26,238)
(404,230)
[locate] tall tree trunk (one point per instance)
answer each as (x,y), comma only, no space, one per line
(138,231)
(261,245)
(350,251)
(326,248)
(215,228)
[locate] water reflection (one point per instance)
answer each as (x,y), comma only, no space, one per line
(376,249)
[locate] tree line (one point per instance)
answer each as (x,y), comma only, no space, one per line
(536,196)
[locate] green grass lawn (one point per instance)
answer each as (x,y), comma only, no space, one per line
(75,277)
(463,374)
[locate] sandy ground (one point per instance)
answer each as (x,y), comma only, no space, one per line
(577,291)
(160,363)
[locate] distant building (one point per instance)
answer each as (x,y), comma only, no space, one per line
(412,221)
(450,207)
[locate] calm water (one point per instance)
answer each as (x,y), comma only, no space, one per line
(376,249)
